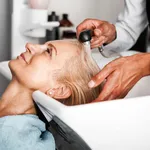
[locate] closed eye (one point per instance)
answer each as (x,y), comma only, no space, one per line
(49,50)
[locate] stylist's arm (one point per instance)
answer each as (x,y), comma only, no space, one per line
(121,75)
(103,31)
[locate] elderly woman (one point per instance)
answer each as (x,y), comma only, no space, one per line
(60,69)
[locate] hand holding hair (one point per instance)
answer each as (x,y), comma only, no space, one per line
(121,75)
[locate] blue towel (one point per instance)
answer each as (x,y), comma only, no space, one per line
(24,132)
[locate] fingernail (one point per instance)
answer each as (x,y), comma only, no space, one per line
(91,83)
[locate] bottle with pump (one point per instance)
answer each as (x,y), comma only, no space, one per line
(54,33)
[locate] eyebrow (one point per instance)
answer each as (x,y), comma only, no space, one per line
(52,46)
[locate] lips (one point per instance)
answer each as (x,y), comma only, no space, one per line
(23,57)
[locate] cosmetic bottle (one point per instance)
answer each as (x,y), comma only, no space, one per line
(54,33)
(66,27)
(65,22)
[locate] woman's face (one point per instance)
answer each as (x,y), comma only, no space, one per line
(37,66)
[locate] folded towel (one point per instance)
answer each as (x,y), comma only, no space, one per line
(24,132)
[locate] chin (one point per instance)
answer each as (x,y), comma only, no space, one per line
(13,66)
(10,64)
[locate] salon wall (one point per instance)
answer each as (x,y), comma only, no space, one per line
(5,25)
(78,10)
(109,9)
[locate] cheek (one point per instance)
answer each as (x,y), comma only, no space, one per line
(33,76)
(59,62)
(38,75)
(36,78)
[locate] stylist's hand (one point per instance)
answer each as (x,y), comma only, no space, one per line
(104,32)
(121,75)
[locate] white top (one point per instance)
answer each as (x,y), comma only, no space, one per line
(130,24)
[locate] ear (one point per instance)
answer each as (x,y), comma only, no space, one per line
(60,92)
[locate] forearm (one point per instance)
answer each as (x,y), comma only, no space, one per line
(143,60)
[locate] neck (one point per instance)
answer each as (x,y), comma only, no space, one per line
(17,99)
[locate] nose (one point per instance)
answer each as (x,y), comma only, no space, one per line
(35,48)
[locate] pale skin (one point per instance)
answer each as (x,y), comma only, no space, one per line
(34,70)
(121,74)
